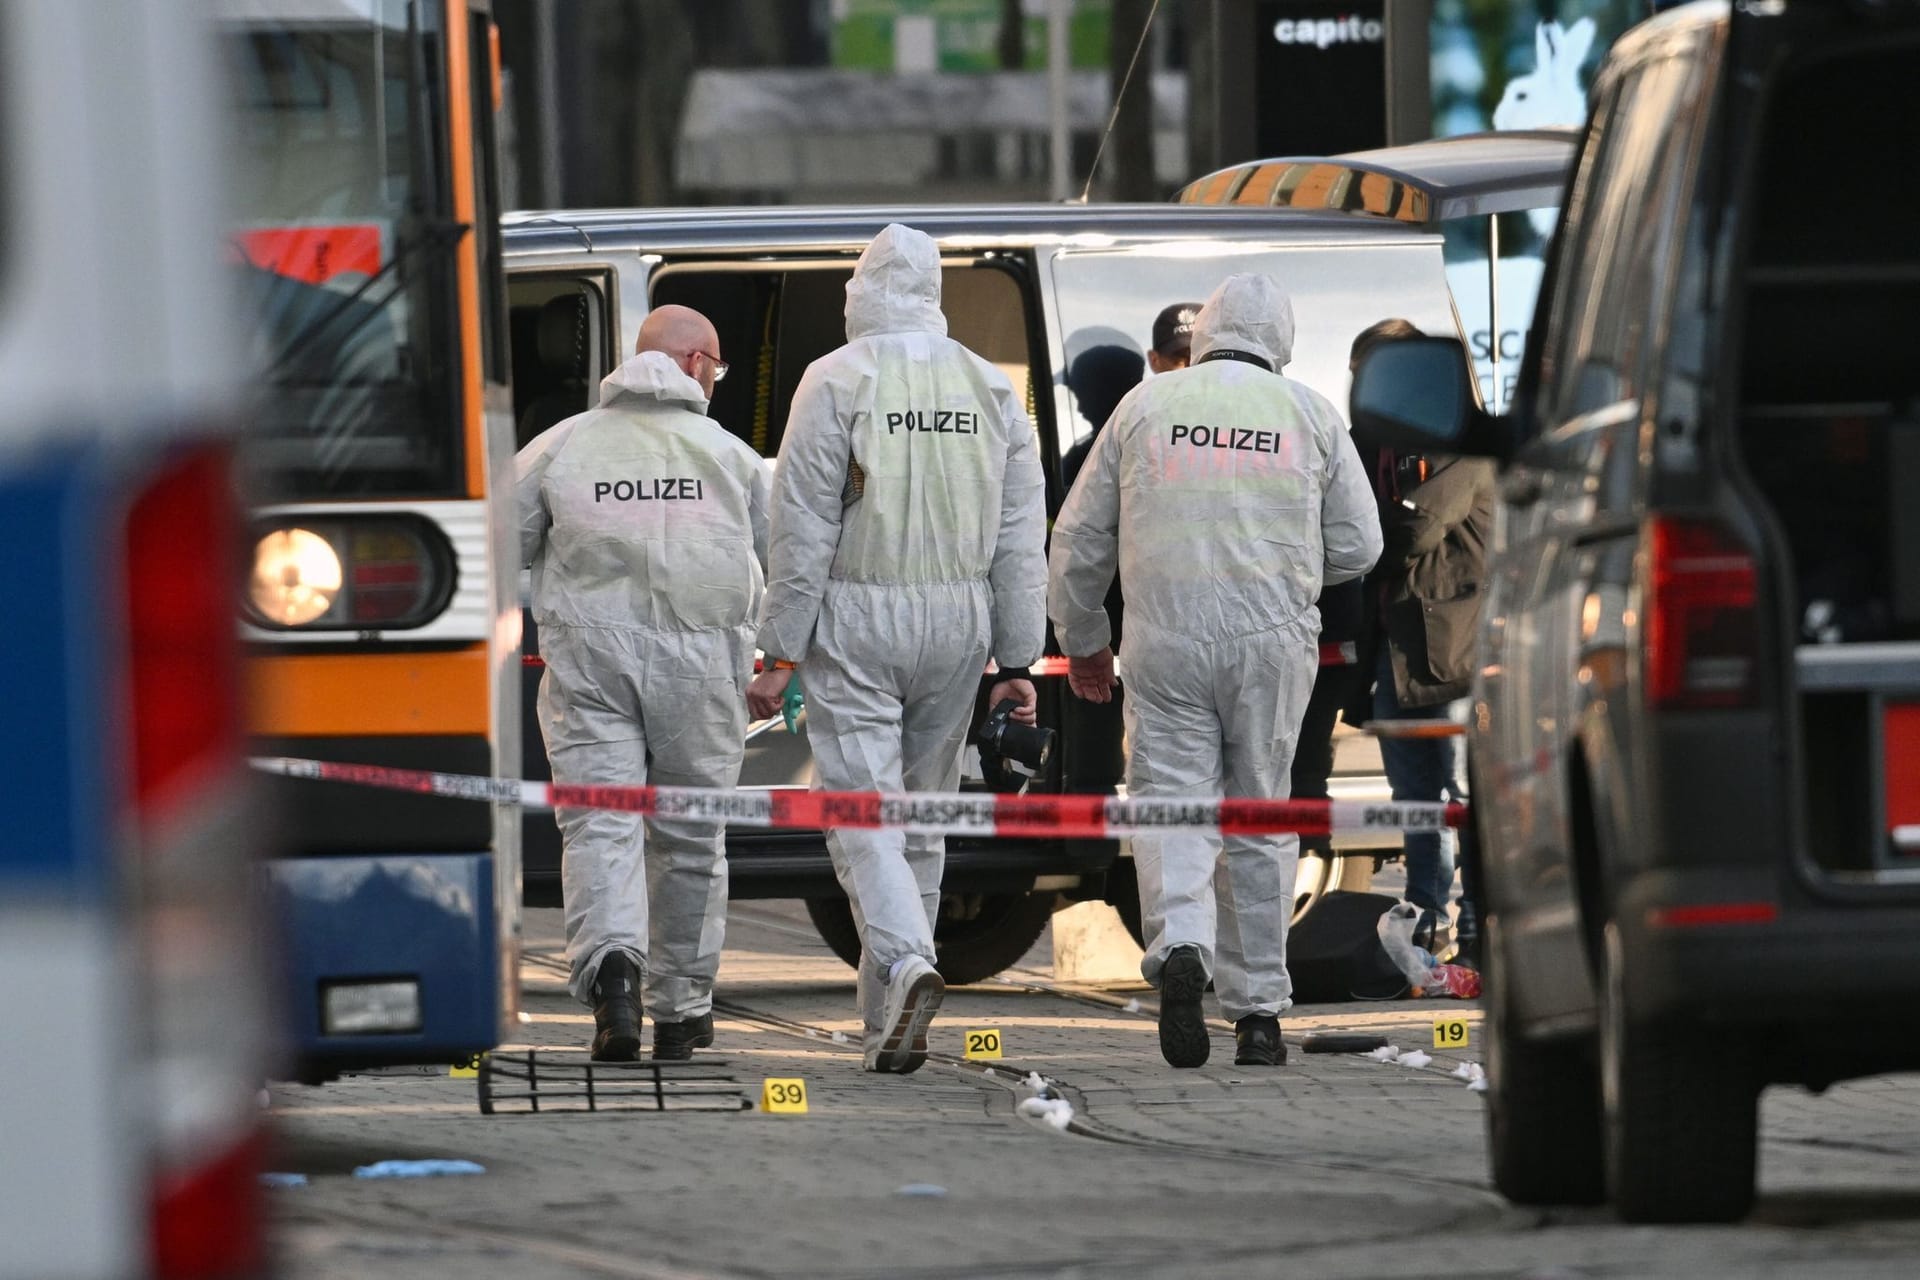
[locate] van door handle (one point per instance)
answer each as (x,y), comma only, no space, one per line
(1522,490)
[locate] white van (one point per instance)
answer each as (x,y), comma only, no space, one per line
(1031,288)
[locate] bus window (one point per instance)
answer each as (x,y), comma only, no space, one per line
(345,261)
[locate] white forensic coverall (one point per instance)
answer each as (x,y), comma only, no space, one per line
(908,547)
(1227,496)
(646,525)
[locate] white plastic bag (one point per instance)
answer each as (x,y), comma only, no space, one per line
(1396,938)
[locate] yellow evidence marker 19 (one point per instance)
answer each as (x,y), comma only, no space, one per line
(1449,1033)
(984,1043)
(466,1068)
(783,1096)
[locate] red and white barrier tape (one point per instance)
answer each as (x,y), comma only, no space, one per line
(1332,654)
(926,813)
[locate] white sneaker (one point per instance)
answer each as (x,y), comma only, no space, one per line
(913,997)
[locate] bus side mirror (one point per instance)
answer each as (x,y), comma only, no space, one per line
(1417,393)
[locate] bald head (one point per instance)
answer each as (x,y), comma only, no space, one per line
(688,337)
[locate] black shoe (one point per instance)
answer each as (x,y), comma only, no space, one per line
(616,1009)
(1183,1026)
(676,1041)
(1257,1042)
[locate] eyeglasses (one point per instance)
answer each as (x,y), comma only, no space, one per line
(720,366)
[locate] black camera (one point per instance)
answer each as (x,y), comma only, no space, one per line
(1011,752)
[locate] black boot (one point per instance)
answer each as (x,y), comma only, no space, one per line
(1183,1025)
(1467,953)
(676,1041)
(1257,1042)
(616,1009)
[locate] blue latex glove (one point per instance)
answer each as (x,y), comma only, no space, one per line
(418,1169)
(792,704)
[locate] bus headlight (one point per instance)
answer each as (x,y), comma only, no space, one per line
(372,573)
(296,577)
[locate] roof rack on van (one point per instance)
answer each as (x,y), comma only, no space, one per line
(1472,175)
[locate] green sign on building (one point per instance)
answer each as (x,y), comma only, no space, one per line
(957,35)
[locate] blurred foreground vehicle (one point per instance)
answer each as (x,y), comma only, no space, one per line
(1696,740)
(1043,292)
(380,614)
(133,1021)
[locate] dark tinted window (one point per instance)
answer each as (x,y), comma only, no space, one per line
(561,347)
(1631,198)
(1839,170)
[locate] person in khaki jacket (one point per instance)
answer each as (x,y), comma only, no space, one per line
(1422,605)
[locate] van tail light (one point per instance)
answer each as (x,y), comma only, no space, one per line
(1701,628)
(193,876)
(208,1219)
(179,564)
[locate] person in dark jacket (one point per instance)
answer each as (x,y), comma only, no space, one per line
(1344,618)
(1421,608)
(1100,378)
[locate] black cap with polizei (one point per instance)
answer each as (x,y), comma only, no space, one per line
(1173,329)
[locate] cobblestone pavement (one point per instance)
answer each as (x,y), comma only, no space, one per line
(1333,1166)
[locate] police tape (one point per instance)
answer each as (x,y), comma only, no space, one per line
(925,813)
(1333,653)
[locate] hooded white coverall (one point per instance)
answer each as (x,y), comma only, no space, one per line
(908,547)
(1227,496)
(646,525)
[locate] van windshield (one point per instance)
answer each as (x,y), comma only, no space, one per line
(343,245)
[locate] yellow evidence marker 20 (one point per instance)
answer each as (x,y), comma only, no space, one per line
(1449,1033)
(783,1096)
(984,1043)
(466,1068)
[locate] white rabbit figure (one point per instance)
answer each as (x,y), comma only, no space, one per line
(1551,93)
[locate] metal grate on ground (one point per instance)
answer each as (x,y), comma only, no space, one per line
(532,1081)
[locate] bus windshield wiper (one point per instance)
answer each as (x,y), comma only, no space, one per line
(435,237)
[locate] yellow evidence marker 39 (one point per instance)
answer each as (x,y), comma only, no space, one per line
(785,1096)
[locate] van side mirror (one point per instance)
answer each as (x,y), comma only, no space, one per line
(1418,393)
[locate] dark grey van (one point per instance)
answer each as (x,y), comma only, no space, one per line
(1695,743)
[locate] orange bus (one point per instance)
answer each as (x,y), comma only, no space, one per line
(382,605)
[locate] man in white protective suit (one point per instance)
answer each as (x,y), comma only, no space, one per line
(1227,496)
(646,525)
(908,548)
